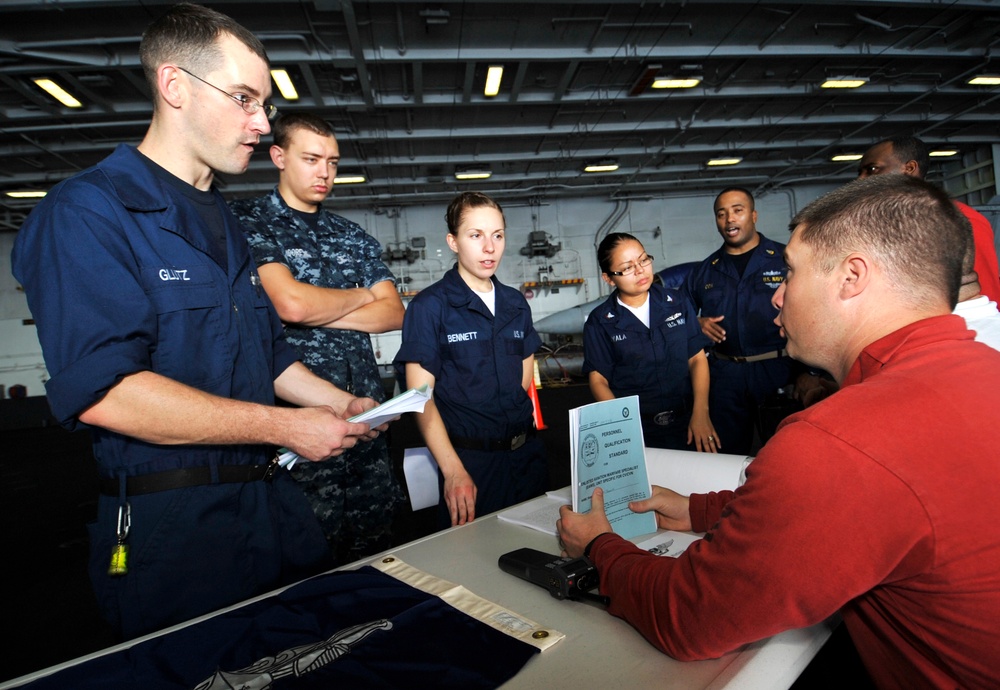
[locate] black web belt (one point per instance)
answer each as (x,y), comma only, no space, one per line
(511,443)
(751,358)
(189,476)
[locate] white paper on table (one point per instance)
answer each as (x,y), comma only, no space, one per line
(564,494)
(421,473)
(539,513)
(687,472)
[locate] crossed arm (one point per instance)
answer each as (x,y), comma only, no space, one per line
(370,310)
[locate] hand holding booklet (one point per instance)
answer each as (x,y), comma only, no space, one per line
(412,400)
(606,450)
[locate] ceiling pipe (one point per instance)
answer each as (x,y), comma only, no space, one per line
(611,222)
(873,22)
(400,33)
(47,50)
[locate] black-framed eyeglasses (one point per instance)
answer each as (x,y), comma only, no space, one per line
(250,105)
(644,261)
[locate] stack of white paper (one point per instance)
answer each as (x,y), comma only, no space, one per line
(540,513)
(412,400)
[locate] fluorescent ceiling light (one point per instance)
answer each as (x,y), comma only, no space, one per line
(603,166)
(284,84)
(435,16)
(58,93)
(473,175)
(676,82)
(844,82)
(733,160)
(27,194)
(844,157)
(986,80)
(493,76)
(943,153)
(349,179)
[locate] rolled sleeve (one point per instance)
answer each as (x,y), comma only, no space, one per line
(284,354)
(88,379)
(69,256)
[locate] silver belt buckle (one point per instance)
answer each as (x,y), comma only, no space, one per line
(518,441)
(664,418)
(271,468)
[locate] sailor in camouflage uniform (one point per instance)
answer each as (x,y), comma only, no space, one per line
(330,287)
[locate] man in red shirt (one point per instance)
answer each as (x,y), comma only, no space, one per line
(877,502)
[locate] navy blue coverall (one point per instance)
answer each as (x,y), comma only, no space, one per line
(738,388)
(120,278)
(649,362)
(477,360)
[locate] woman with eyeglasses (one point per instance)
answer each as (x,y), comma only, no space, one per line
(645,340)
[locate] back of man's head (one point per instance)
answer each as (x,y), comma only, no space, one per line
(971,287)
(284,127)
(188,35)
(907,149)
(909,228)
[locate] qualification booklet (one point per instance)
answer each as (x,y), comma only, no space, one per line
(606,450)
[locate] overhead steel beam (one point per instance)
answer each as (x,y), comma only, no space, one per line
(357,52)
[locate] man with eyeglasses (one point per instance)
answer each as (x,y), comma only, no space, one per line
(160,339)
(732,291)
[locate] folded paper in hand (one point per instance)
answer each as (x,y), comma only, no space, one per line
(412,400)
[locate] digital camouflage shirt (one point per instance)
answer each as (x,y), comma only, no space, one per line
(353,495)
(339,254)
